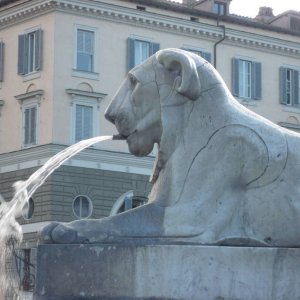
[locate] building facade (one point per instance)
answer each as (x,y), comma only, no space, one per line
(62,61)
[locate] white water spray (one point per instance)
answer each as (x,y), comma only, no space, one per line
(10,230)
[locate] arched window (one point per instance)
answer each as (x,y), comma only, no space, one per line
(82,207)
(127,201)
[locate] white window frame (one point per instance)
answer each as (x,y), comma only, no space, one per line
(94,74)
(216,8)
(26,106)
(245,75)
(139,42)
(91,207)
(32,69)
(247,85)
(139,39)
(28,100)
(198,51)
(77,100)
(291,103)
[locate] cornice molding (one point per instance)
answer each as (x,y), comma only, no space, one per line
(121,14)
(76,92)
(89,158)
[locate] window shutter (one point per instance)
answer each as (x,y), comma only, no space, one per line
(22,55)
(256,81)
(154,48)
(27,126)
(38,49)
(1,61)
(78,123)
(130,53)
(33,125)
(296,88)
(283,95)
(87,122)
(206,56)
(235,77)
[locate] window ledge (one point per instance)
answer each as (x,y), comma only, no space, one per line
(29,146)
(247,102)
(87,75)
(293,109)
(31,76)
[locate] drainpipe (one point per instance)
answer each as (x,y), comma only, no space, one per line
(219,42)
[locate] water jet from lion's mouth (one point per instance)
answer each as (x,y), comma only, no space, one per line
(119,136)
(10,231)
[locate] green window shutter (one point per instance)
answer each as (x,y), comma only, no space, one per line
(256,81)
(1,61)
(22,55)
(235,77)
(283,91)
(38,49)
(154,48)
(296,88)
(130,53)
(206,56)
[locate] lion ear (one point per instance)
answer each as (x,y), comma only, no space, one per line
(173,59)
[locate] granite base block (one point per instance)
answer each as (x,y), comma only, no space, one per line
(66,272)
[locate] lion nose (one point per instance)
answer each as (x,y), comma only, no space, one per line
(109,115)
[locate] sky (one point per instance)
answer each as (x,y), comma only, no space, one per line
(249,8)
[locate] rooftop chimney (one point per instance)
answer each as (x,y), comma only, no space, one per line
(265,14)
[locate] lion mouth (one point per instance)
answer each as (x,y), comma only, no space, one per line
(121,136)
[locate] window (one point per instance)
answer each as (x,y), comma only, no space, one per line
(30,125)
(83,122)
(1,61)
(140,50)
(82,207)
(85,50)
(132,202)
(28,209)
(203,54)
(295,24)
(85,107)
(246,79)
(30,52)
(289,87)
(219,8)
(126,202)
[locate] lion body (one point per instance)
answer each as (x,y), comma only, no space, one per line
(223,175)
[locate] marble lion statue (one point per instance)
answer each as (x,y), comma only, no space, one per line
(223,175)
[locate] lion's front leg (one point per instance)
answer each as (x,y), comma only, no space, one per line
(142,222)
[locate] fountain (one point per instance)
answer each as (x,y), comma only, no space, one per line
(10,230)
(223,216)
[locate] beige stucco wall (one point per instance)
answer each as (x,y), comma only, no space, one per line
(11,115)
(58,75)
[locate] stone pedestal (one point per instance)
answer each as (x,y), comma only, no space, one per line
(66,272)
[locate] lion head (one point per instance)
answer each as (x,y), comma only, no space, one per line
(156,97)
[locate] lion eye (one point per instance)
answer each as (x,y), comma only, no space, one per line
(132,80)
